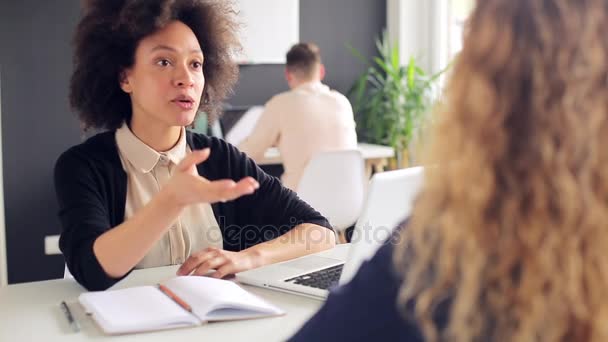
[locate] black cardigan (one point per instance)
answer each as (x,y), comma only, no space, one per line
(91,188)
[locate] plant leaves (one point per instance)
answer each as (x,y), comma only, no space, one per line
(391,101)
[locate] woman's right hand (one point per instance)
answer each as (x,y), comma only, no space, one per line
(187,187)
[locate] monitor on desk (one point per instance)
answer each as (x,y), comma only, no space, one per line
(231,116)
(227,121)
(239,122)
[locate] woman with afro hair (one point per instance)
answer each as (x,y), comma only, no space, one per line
(146,192)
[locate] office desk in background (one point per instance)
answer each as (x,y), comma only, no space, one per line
(239,122)
(376,157)
(31,312)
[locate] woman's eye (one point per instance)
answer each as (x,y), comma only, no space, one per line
(197,65)
(163,62)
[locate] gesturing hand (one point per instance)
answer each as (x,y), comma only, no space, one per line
(224,262)
(187,187)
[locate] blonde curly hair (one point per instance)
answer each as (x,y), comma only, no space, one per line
(510,233)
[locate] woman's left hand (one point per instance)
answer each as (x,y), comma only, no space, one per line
(224,262)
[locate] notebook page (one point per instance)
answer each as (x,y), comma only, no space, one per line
(237,314)
(207,294)
(135,309)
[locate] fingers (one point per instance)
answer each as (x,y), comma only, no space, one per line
(249,181)
(225,263)
(212,263)
(195,260)
(245,186)
(193,158)
(224,270)
(227,190)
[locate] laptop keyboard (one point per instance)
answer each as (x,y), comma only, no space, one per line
(322,279)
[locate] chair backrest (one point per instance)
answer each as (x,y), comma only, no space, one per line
(334,183)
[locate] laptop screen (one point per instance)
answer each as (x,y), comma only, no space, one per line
(389,201)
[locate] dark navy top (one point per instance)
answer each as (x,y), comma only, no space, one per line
(365,309)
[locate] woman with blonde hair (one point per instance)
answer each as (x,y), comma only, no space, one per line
(508,238)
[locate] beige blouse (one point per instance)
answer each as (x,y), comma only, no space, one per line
(147,172)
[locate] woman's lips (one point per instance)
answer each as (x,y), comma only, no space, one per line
(184,104)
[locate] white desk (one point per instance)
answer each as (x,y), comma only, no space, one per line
(376,156)
(31,312)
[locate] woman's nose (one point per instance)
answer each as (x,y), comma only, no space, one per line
(183,77)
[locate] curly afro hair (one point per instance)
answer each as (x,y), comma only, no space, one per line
(106,39)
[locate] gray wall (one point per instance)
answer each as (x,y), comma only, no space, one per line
(330,24)
(37,125)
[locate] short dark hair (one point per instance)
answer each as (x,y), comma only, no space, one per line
(106,39)
(303,58)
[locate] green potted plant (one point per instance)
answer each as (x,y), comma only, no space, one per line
(391,100)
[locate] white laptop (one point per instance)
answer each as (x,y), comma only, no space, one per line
(389,201)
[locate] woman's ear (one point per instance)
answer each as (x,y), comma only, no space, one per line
(124,82)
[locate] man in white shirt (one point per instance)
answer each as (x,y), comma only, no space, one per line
(308,119)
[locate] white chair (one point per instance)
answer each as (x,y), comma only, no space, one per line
(334,184)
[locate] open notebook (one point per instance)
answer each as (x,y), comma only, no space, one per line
(147,308)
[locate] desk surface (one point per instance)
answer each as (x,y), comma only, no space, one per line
(31,312)
(369,151)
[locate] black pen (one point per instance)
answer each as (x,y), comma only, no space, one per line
(68,315)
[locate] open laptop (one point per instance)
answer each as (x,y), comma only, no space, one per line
(389,201)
